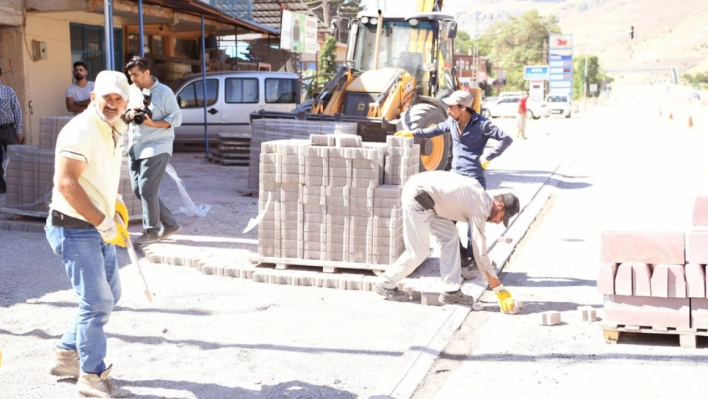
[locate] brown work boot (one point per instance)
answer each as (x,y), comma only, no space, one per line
(66,363)
(100,386)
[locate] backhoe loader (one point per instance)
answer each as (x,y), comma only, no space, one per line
(398,68)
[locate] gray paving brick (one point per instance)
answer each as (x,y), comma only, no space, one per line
(290,187)
(362,182)
(338,162)
(314,190)
(387,212)
(321,139)
(315,199)
(314,180)
(361,201)
(361,191)
(388,191)
(372,174)
(347,140)
(314,217)
(361,211)
(338,210)
(387,202)
(315,152)
(316,162)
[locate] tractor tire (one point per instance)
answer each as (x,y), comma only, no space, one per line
(434,153)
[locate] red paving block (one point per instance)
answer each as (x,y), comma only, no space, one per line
(641,284)
(648,311)
(606,278)
(624,279)
(695,280)
(660,281)
(697,247)
(677,282)
(643,247)
(700,211)
(699,312)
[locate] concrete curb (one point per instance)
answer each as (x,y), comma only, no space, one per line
(417,361)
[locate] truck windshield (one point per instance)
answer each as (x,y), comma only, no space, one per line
(402,45)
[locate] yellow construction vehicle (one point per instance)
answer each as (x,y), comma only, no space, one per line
(398,68)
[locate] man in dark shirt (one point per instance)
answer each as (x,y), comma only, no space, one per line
(470,132)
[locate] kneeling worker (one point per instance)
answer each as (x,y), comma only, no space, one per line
(430,202)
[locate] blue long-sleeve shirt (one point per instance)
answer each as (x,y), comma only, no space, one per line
(150,141)
(468,147)
(10,112)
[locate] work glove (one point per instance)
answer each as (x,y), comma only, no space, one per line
(121,211)
(404,133)
(506,302)
(112,233)
(484,163)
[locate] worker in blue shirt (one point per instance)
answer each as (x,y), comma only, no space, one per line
(470,132)
(10,124)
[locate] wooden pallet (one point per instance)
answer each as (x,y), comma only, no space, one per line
(216,157)
(328,266)
(687,336)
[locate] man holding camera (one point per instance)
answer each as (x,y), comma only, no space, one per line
(153,113)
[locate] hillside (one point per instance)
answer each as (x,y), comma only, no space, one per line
(667,32)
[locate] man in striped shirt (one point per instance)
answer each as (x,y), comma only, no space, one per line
(10,125)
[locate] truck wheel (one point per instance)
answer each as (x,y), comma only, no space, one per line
(434,153)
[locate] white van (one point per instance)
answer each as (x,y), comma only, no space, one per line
(232,96)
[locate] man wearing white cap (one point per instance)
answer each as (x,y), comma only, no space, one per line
(83,228)
(470,132)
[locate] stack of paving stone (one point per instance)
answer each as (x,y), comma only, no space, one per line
(657,280)
(49,128)
(333,198)
(30,174)
(233,149)
(264,130)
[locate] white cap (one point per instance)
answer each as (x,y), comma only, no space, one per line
(460,97)
(111,82)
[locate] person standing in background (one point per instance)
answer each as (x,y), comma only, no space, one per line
(78,95)
(521,117)
(10,125)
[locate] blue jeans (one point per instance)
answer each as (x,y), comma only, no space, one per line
(145,178)
(92,268)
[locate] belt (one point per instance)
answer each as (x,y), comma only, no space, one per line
(61,220)
(7,125)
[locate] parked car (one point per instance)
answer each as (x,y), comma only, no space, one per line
(509,107)
(559,105)
(231,97)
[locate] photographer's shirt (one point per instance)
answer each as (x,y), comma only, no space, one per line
(148,141)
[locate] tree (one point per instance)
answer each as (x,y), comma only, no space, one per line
(326,10)
(595,75)
(516,43)
(328,55)
(463,43)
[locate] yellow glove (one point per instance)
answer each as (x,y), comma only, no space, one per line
(404,133)
(485,164)
(122,211)
(506,302)
(112,232)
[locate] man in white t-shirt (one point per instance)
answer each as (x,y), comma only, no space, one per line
(78,95)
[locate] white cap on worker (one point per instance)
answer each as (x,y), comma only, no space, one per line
(460,97)
(111,82)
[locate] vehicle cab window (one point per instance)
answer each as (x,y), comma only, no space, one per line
(241,90)
(192,95)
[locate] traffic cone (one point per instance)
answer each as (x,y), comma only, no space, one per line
(690,121)
(671,116)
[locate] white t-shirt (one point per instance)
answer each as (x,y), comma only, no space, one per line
(79,93)
(87,137)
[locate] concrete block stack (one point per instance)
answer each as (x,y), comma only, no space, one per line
(264,130)
(328,201)
(657,279)
(30,173)
(49,128)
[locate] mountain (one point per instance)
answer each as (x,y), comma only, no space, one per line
(666,32)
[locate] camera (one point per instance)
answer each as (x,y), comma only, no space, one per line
(140,113)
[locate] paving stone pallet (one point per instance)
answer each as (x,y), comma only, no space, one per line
(687,336)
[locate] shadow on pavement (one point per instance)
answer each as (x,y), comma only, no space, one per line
(119,308)
(499,179)
(523,280)
(290,390)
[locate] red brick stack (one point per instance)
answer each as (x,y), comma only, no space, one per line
(657,279)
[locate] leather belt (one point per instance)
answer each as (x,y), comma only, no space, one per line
(61,220)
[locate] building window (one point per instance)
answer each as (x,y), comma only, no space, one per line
(88,45)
